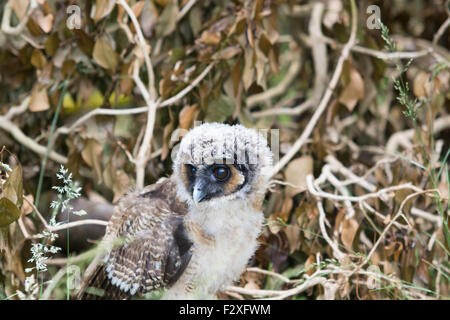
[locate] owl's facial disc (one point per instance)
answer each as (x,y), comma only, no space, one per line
(206,182)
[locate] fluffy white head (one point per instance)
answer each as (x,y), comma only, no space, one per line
(244,151)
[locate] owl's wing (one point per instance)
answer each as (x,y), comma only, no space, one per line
(153,249)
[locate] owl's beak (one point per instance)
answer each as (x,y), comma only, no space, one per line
(198,194)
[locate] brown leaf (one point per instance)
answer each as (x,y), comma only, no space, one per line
(137,8)
(210,37)
(248,73)
(163,3)
(26,207)
(264,44)
(274,222)
(121,185)
(84,42)
(126,83)
(39,99)
(51,44)
(293,236)
(420,84)
(167,132)
(102,9)
(116,179)
(45,22)
(353,91)
(236,75)
(249,33)
(309,265)
(92,155)
(296,173)
(34,28)
(104,54)
(186,116)
(260,66)
(228,53)
(349,228)
(38,59)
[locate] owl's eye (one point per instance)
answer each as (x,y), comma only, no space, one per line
(191,170)
(221,173)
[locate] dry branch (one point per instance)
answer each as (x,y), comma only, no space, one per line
(325,99)
(403,138)
(27,142)
(6,19)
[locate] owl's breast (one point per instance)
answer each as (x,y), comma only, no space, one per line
(224,241)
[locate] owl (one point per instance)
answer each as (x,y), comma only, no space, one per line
(190,234)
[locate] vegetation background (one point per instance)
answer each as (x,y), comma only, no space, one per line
(358,206)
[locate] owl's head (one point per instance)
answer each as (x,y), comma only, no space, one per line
(221,162)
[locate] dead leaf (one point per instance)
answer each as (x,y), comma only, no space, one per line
(274,223)
(102,9)
(167,132)
(248,74)
(349,228)
(421,85)
(353,91)
(309,265)
(137,8)
(260,66)
(236,75)
(104,54)
(84,42)
(51,44)
(212,38)
(293,236)
(116,179)
(121,185)
(264,44)
(39,99)
(186,116)
(163,3)
(45,22)
(296,173)
(228,53)
(38,59)
(26,207)
(92,155)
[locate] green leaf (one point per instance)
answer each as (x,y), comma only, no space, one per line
(8,212)
(167,20)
